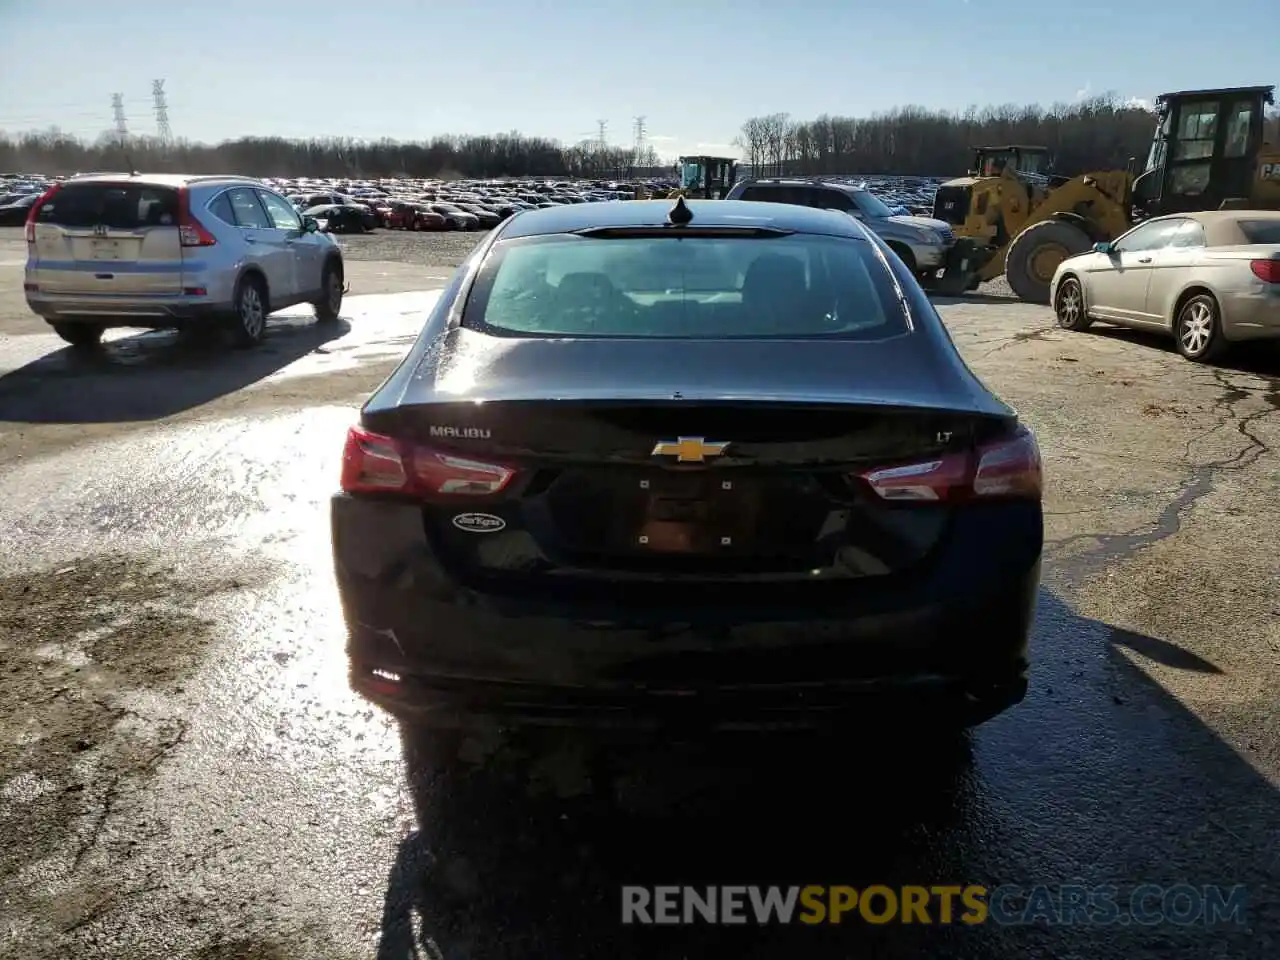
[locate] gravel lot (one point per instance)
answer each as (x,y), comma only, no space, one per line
(183,773)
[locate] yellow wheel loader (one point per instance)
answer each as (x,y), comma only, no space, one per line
(1208,153)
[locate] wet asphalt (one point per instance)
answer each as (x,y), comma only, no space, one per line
(183,772)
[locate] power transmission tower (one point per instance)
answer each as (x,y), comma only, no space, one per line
(162,111)
(640,140)
(603,141)
(117,111)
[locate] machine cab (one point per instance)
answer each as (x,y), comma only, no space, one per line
(1021,160)
(1205,150)
(708,178)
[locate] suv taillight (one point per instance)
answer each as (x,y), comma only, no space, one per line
(372,463)
(29,231)
(1004,469)
(190,230)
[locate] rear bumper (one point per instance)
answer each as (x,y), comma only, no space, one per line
(421,643)
(1252,314)
(168,310)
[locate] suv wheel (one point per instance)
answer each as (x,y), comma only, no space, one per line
(80,334)
(329,306)
(249,323)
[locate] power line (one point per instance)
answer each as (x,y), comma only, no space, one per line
(117,111)
(162,111)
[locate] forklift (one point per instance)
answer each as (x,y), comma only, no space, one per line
(707,178)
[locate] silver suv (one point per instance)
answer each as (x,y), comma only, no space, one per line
(922,243)
(131,250)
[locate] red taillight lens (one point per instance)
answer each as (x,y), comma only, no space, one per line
(1268,271)
(1009,468)
(190,230)
(372,463)
(30,230)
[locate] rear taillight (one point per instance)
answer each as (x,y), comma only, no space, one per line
(34,212)
(372,463)
(1008,468)
(190,230)
(1268,271)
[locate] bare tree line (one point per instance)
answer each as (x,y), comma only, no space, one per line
(1099,133)
(504,155)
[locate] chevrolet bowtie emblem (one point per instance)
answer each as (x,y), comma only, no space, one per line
(689,449)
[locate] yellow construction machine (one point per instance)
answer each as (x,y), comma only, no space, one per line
(1014,217)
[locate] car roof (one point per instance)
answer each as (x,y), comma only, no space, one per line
(162,179)
(1221,227)
(706,213)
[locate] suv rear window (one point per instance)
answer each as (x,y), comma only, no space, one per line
(1261,231)
(792,286)
(119,206)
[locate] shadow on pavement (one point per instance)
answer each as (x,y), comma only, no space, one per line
(1261,357)
(1100,777)
(939,300)
(151,375)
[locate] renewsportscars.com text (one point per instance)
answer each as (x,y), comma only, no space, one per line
(1063,904)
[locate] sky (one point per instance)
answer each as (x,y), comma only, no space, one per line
(413,69)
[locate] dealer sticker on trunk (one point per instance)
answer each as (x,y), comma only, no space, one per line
(479,522)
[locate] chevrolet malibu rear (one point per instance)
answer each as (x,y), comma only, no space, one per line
(718,464)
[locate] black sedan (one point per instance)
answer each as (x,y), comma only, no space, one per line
(339,217)
(14,213)
(710,464)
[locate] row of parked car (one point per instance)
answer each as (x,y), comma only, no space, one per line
(356,206)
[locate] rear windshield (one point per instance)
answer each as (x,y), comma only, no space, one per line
(800,285)
(1261,231)
(120,206)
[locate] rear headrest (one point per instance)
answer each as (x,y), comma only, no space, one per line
(774,274)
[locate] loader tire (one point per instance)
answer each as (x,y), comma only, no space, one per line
(1035,254)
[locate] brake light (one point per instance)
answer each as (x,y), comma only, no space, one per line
(29,231)
(191,231)
(372,463)
(1268,271)
(1009,468)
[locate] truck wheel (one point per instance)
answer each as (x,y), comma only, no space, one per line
(1035,254)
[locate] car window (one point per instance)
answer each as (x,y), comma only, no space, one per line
(221,208)
(1188,234)
(826,199)
(769,195)
(119,206)
(248,210)
(281,212)
(797,285)
(871,205)
(1261,231)
(1149,236)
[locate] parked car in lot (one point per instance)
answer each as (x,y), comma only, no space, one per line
(1207,279)
(119,250)
(647,463)
(340,217)
(923,243)
(14,213)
